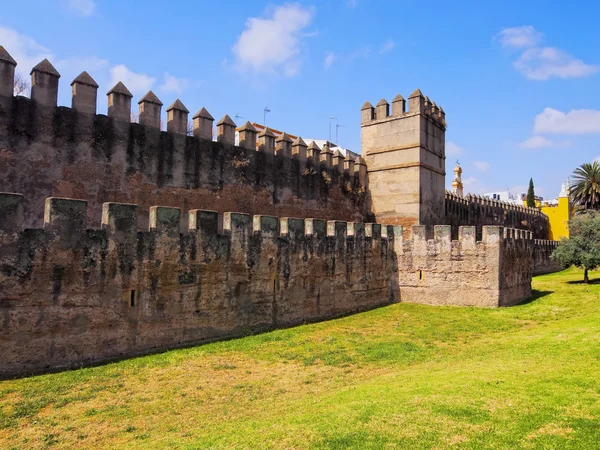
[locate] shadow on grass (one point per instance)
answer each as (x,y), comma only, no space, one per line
(594,281)
(535,295)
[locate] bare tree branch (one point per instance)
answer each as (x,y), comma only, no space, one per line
(21,86)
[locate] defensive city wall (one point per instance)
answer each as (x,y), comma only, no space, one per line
(480,211)
(73,295)
(117,238)
(76,153)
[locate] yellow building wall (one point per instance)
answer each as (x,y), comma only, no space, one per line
(558,217)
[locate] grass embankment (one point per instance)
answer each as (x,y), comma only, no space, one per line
(404,376)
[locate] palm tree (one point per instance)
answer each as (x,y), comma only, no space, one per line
(585,191)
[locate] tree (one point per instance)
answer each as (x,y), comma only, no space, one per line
(585,191)
(530,195)
(582,249)
(21,86)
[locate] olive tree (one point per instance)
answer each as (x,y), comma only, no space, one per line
(582,248)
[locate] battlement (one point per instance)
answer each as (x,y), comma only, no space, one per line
(542,257)
(492,271)
(480,211)
(57,151)
(417,105)
(443,244)
(65,219)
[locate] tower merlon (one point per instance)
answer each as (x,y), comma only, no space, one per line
(291,227)
(382,110)
(338,161)
(203,124)
(119,102)
(226,130)
(119,217)
(84,94)
(11,212)
(299,148)
(313,153)
(367,113)
(326,156)
(44,84)
(164,219)
(7,73)
(284,145)
(349,165)
(65,216)
(266,226)
(398,106)
(266,141)
(416,102)
(360,168)
(337,229)
(247,134)
(149,110)
(177,118)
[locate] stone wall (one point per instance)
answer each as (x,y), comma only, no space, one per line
(61,152)
(542,263)
(71,295)
(495,271)
(479,211)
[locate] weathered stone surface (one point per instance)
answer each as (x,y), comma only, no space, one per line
(57,152)
(116,292)
(490,273)
(405,157)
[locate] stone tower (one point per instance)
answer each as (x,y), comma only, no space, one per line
(457,185)
(405,155)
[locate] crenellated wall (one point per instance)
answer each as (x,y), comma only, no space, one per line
(542,261)
(71,295)
(47,151)
(112,275)
(480,211)
(495,271)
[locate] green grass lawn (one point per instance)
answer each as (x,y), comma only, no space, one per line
(403,376)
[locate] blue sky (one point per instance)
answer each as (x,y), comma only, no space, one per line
(518,79)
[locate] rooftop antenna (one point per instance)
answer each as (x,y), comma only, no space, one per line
(330,119)
(337,131)
(265,111)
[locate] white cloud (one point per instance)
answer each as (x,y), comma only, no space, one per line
(597,159)
(481,166)
(474,185)
(542,63)
(453,150)
(329,59)
(387,46)
(69,68)
(536,142)
(82,7)
(24,49)
(174,84)
(137,83)
(273,44)
(577,121)
(520,37)
(548,62)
